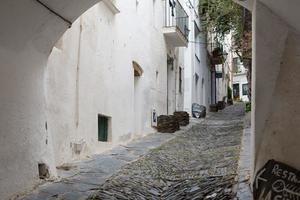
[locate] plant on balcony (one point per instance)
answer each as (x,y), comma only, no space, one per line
(221,17)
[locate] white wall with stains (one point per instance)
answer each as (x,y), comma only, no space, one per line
(28,33)
(276,85)
(90,72)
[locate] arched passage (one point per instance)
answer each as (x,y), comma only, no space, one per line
(29,29)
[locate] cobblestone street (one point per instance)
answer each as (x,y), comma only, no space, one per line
(198,162)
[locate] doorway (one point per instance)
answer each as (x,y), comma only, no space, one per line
(236,91)
(171,86)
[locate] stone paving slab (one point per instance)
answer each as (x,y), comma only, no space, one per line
(84,177)
(200,163)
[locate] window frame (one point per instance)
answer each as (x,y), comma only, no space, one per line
(245,91)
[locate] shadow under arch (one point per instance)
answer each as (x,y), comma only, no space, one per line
(29,30)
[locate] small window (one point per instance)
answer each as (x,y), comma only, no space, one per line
(237,64)
(103,128)
(43,171)
(245,89)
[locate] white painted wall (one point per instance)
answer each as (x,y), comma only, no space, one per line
(276,86)
(195,56)
(221,83)
(25,43)
(90,72)
(28,37)
(30,95)
(241,79)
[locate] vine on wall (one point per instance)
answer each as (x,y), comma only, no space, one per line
(221,17)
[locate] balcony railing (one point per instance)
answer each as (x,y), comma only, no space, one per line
(175,16)
(216,52)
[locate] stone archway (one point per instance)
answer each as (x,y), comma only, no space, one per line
(29,30)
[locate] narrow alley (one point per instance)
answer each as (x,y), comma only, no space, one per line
(198,162)
(161,99)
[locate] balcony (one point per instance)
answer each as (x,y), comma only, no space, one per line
(176,24)
(216,53)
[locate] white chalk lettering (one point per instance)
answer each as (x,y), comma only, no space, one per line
(284,174)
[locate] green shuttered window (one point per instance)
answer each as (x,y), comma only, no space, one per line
(102,128)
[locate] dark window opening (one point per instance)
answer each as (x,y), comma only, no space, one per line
(236,91)
(102,128)
(43,171)
(180,79)
(237,64)
(245,89)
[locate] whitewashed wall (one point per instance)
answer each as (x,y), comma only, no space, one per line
(25,43)
(241,79)
(42,103)
(195,60)
(90,72)
(276,84)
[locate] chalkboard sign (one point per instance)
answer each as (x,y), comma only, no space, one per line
(277,181)
(198,110)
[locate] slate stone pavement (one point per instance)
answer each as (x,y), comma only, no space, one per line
(198,162)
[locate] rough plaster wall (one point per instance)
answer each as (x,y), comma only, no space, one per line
(28,32)
(172,70)
(188,84)
(23,135)
(189,65)
(23,55)
(180,62)
(196,93)
(271,88)
(205,94)
(109,44)
(280,140)
(61,95)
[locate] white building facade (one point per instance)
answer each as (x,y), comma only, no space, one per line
(197,76)
(106,75)
(240,85)
(116,64)
(27,38)
(219,53)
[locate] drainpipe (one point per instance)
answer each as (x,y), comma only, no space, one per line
(175,89)
(77,76)
(215,84)
(167,88)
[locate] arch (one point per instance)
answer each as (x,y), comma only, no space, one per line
(29,30)
(41,22)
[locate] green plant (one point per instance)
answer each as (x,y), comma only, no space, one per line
(248,106)
(229,92)
(221,17)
